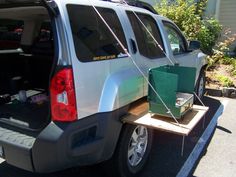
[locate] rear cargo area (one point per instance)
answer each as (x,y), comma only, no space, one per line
(26,59)
(24,89)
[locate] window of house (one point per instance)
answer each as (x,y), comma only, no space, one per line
(92,39)
(10,33)
(176,39)
(146,44)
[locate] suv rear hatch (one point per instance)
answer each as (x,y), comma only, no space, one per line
(26,57)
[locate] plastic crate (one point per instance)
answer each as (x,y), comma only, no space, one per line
(175,85)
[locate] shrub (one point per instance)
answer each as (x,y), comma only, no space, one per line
(188,16)
(219,51)
(225,81)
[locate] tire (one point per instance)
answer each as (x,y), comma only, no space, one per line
(132,151)
(200,86)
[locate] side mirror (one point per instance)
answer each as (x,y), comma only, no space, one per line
(194,45)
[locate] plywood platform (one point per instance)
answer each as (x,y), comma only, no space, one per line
(139,115)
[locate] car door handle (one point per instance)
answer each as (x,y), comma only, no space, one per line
(133,46)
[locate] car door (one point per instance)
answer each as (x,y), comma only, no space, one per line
(149,54)
(178,47)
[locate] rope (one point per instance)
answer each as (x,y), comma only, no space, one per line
(199,99)
(154,39)
(135,64)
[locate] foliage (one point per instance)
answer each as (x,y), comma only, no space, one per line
(208,35)
(230,61)
(218,56)
(225,81)
(188,17)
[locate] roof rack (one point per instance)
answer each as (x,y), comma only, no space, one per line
(136,3)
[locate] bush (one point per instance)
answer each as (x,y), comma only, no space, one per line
(188,17)
(222,47)
(225,81)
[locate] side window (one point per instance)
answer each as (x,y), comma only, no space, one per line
(43,43)
(45,33)
(92,39)
(10,33)
(146,44)
(176,39)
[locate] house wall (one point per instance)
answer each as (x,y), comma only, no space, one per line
(227,14)
(211,8)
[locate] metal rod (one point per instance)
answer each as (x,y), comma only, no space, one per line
(204,118)
(182,148)
(203,124)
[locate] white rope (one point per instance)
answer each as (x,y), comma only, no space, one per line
(113,34)
(135,64)
(158,45)
(199,99)
(154,39)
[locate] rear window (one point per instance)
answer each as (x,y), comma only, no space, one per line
(92,39)
(10,34)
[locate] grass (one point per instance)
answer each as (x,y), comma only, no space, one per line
(221,70)
(231,62)
(225,81)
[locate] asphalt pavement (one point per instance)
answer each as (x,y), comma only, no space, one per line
(165,159)
(219,158)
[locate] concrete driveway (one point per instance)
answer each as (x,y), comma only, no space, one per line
(165,159)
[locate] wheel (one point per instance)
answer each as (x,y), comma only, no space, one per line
(132,151)
(200,86)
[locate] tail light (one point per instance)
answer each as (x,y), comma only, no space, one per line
(62,91)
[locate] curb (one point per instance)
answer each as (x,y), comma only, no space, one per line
(229,92)
(194,156)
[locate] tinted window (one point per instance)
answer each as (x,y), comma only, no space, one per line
(92,39)
(43,43)
(146,44)
(10,34)
(176,39)
(45,33)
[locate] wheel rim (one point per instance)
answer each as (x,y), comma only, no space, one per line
(201,88)
(137,145)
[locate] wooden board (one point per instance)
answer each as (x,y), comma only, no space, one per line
(139,115)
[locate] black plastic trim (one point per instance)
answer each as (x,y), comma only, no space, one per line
(137,3)
(87,141)
(17,148)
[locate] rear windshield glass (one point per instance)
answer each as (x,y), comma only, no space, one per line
(92,39)
(10,34)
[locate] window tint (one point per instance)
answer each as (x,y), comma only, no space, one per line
(92,39)
(45,33)
(146,44)
(43,43)
(10,33)
(177,41)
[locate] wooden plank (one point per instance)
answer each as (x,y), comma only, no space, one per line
(139,115)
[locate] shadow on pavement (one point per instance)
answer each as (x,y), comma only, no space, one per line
(165,159)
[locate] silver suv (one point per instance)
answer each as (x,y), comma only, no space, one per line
(66,82)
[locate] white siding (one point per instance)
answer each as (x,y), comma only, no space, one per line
(227,14)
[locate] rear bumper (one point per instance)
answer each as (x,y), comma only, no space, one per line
(63,145)
(15,147)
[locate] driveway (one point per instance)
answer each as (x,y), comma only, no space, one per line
(219,157)
(165,159)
